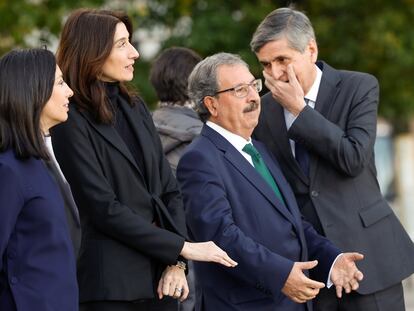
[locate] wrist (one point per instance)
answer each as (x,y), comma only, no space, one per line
(181,265)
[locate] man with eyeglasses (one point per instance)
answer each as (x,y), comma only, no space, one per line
(320,123)
(235,194)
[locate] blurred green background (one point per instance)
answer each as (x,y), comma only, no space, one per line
(375,36)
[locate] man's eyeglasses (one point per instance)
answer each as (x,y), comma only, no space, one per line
(242,90)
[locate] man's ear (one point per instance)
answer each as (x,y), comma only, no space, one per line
(211,104)
(313,50)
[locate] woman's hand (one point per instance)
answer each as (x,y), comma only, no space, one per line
(206,251)
(173,283)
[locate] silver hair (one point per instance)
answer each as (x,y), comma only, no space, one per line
(203,80)
(287,23)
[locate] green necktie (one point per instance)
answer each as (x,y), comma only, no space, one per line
(261,167)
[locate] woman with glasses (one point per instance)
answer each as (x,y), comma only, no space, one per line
(133,227)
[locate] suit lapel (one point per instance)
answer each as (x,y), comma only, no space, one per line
(246,169)
(111,135)
(275,121)
(281,182)
(326,95)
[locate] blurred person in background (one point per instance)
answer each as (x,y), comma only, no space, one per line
(176,120)
(132,218)
(37,266)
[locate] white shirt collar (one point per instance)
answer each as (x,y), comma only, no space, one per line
(235,140)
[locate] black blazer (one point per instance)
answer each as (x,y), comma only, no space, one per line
(123,246)
(342,191)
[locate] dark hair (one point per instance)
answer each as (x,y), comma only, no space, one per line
(26,84)
(85,44)
(170,72)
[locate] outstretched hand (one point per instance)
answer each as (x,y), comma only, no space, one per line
(206,251)
(345,274)
(298,286)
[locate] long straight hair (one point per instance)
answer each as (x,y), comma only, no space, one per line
(85,44)
(26,84)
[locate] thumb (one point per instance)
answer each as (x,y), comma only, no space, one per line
(355,256)
(306,265)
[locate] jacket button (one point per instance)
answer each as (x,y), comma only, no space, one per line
(14,280)
(314,193)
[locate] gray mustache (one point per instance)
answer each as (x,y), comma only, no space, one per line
(253,105)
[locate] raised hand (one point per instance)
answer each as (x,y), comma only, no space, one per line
(206,251)
(345,274)
(298,286)
(288,93)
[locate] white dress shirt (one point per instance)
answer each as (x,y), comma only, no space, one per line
(235,140)
(311,97)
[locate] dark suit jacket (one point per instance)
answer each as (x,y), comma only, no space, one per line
(121,211)
(71,210)
(227,201)
(37,266)
(342,192)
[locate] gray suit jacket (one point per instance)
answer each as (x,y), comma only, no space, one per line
(341,196)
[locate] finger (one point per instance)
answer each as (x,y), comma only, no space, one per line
(291,75)
(354,284)
(347,288)
(159,289)
(226,260)
(306,265)
(359,275)
(185,293)
(178,291)
(313,284)
(166,288)
(355,256)
(172,289)
(229,260)
(338,291)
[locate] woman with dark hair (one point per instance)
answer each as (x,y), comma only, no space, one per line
(37,266)
(133,227)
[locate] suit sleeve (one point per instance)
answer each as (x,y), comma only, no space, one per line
(171,194)
(96,198)
(11,203)
(350,149)
(209,217)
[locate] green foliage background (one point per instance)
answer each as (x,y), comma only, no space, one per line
(375,36)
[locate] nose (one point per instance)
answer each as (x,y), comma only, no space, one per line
(276,70)
(70,92)
(133,54)
(253,93)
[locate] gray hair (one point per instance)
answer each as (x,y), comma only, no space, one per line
(287,23)
(203,80)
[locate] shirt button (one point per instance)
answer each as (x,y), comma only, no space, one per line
(314,193)
(14,280)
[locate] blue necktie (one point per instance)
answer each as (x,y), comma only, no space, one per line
(302,155)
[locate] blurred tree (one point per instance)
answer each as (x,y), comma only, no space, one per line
(374,36)
(34,22)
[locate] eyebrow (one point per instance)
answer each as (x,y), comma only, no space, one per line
(120,39)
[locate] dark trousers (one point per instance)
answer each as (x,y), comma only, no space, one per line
(165,304)
(389,299)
